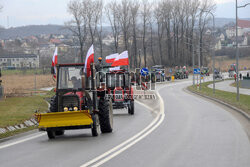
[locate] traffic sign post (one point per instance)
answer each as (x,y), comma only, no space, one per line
(197,71)
(144,72)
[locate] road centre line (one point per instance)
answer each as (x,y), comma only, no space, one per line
(131,141)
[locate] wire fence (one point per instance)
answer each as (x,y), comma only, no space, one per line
(25,82)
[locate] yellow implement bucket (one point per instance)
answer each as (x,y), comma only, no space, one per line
(64,119)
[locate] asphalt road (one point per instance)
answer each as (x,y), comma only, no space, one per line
(183,130)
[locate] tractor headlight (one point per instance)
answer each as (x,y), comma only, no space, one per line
(75,108)
(66,109)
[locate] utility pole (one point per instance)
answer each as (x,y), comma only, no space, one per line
(237,53)
(193,64)
(199,63)
(237,49)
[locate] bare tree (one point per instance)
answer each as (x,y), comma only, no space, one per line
(206,7)
(151,23)
(160,28)
(78,25)
(93,10)
(134,14)
(112,13)
(145,14)
(124,17)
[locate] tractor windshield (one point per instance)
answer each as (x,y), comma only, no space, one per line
(70,77)
(115,80)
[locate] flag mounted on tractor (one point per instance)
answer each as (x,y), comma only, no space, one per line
(54,63)
(121,60)
(89,59)
(111,58)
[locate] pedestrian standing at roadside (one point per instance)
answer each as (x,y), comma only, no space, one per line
(235,77)
(240,76)
(248,75)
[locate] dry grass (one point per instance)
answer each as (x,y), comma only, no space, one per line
(19,85)
(224,63)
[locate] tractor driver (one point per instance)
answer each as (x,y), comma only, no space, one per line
(76,82)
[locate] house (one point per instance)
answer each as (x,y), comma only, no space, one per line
(218,45)
(243,27)
(208,32)
(242,41)
(19,60)
(55,41)
(108,40)
(222,37)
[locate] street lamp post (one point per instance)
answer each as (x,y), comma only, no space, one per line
(213,56)
(237,49)
(193,64)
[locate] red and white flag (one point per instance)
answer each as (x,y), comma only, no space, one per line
(54,62)
(89,59)
(111,58)
(121,60)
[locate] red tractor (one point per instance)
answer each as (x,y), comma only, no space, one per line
(118,87)
(77,104)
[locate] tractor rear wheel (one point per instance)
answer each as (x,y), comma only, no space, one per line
(106,115)
(95,129)
(51,134)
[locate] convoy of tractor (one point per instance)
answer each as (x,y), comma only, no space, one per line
(86,99)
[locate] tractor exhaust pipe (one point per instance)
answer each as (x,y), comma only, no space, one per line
(93,85)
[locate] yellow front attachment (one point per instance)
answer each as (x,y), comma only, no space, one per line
(64,119)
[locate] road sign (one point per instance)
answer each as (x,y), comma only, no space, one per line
(144,72)
(197,71)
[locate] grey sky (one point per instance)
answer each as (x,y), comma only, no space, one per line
(36,12)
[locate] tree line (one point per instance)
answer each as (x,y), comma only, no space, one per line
(164,32)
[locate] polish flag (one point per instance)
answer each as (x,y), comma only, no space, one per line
(111,58)
(121,60)
(114,69)
(54,62)
(89,59)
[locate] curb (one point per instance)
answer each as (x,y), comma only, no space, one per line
(223,103)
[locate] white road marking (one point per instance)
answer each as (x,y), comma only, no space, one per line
(131,141)
(21,141)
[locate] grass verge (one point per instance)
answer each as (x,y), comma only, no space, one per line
(19,131)
(224,96)
(15,110)
(235,84)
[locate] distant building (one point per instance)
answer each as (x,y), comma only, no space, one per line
(19,60)
(243,27)
(242,41)
(222,37)
(218,44)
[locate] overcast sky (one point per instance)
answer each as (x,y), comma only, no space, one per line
(36,12)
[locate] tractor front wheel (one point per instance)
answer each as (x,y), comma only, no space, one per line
(106,115)
(131,108)
(51,134)
(95,129)
(59,132)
